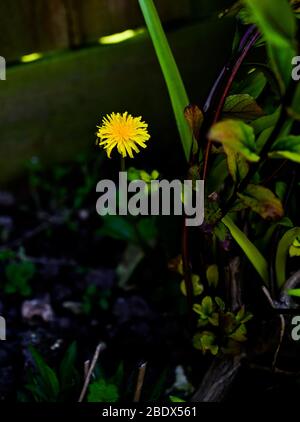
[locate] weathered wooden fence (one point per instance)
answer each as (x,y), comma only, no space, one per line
(29,26)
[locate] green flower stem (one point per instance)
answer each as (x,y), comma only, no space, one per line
(123,164)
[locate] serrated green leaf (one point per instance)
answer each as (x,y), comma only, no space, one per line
(262,201)
(236,135)
(194,117)
(242,106)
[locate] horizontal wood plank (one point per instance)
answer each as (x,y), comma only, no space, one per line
(29,26)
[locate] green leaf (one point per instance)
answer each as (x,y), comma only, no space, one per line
(214,319)
(262,139)
(243,316)
(102,392)
(147,230)
(49,381)
(175,399)
(68,374)
(236,135)
(237,165)
(281,61)
(221,231)
(262,201)
(18,275)
(218,174)
(239,334)
(6,254)
(294,292)
(294,251)
(205,342)
(207,305)
(282,253)
(177,92)
(280,189)
(242,106)
(277,23)
(287,147)
(265,122)
(212,275)
(275,19)
(206,312)
(253,83)
(252,253)
(220,303)
(194,117)
(118,227)
(197,286)
(264,241)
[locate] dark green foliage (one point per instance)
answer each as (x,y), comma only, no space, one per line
(46,385)
(18,273)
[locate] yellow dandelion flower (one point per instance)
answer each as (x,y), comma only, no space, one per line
(124,132)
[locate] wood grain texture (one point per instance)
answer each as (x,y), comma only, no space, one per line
(29,26)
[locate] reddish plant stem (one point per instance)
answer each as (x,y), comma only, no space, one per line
(232,75)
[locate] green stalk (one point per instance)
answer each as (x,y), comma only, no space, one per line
(177,92)
(252,253)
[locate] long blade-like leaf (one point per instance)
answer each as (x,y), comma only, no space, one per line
(252,253)
(177,92)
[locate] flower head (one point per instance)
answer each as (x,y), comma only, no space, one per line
(124,132)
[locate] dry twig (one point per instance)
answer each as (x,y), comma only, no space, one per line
(99,349)
(140,382)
